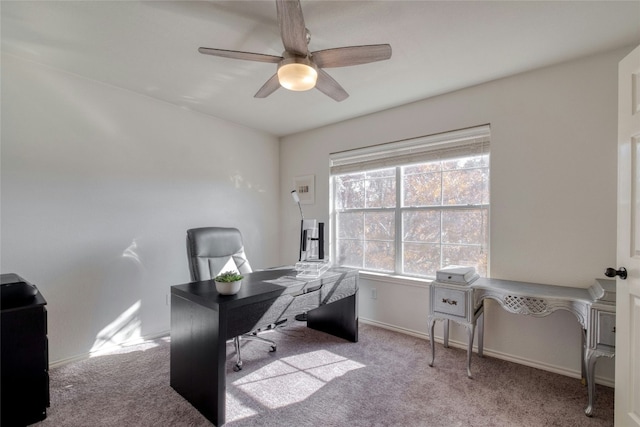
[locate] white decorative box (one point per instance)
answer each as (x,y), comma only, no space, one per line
(457,275)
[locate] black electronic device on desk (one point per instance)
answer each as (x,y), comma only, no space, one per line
(24,352)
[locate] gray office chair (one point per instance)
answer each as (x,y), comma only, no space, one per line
(212,250)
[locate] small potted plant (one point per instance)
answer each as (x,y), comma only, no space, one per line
(228,283)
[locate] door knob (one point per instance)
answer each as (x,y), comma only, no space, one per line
(612,272)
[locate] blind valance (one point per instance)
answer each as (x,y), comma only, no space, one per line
(448,145)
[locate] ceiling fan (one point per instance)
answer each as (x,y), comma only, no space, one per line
(299,69)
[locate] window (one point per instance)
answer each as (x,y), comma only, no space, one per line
(412,207)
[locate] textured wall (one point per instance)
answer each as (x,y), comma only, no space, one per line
(98,188)
(553,194)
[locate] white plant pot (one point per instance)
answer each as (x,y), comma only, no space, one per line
(228,288)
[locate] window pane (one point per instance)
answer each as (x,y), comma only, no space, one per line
(380,192)
(466,162)
(422,168)
(422,189)
(464,226)
(349,191)
(349,253)
(350,225)
(421,226)
(380,234)
(382,173)
(462,187)
(379,256)
(379,226)
(421,259)
(473,256)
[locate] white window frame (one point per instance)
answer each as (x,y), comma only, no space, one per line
(460,143)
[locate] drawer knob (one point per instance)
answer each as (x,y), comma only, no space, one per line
(449,301)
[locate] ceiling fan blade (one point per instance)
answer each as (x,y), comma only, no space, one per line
(236,54)
(327,85)
(292,28)
(268,88)
(352,55)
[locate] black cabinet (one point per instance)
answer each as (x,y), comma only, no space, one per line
(24,356)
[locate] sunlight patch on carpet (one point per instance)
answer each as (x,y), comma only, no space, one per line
(293,379)
(236,410)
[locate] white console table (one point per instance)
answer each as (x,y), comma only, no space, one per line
(593,307)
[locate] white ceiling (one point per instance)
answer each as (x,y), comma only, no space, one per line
(438,46)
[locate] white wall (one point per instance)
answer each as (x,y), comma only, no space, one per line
(553,196)
(99,186)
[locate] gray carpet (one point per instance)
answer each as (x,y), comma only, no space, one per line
(315,379)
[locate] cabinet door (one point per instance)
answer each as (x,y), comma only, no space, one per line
(25,377)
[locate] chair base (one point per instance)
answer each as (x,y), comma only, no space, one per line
(250,337)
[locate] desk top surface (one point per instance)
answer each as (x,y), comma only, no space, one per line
(256,286)
(532,289)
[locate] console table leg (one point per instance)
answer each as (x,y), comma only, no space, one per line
(481,334)
(583,365)
(446,333)
(430,324)
(470,331)
(590,362)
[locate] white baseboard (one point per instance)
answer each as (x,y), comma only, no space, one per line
(492,353)
(106,349)
(454,343)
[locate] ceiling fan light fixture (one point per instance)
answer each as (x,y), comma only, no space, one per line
(297,73)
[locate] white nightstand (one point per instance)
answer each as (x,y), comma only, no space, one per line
(454,301)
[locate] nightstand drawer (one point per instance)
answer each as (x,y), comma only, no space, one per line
(450,301)
(606,329)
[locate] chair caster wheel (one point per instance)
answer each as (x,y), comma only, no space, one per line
(237,368)
(273,348)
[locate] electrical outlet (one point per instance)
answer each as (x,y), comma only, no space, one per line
(374,293)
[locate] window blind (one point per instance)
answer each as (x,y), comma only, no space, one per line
(448,145)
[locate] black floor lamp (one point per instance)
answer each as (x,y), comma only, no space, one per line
(300,317)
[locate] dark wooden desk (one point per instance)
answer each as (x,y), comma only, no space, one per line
(203,320)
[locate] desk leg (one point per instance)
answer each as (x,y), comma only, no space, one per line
(197,357)
(339,318)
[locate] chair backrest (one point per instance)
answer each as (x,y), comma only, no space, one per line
(213,250)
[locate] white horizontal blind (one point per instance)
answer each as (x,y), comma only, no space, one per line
(449,145)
